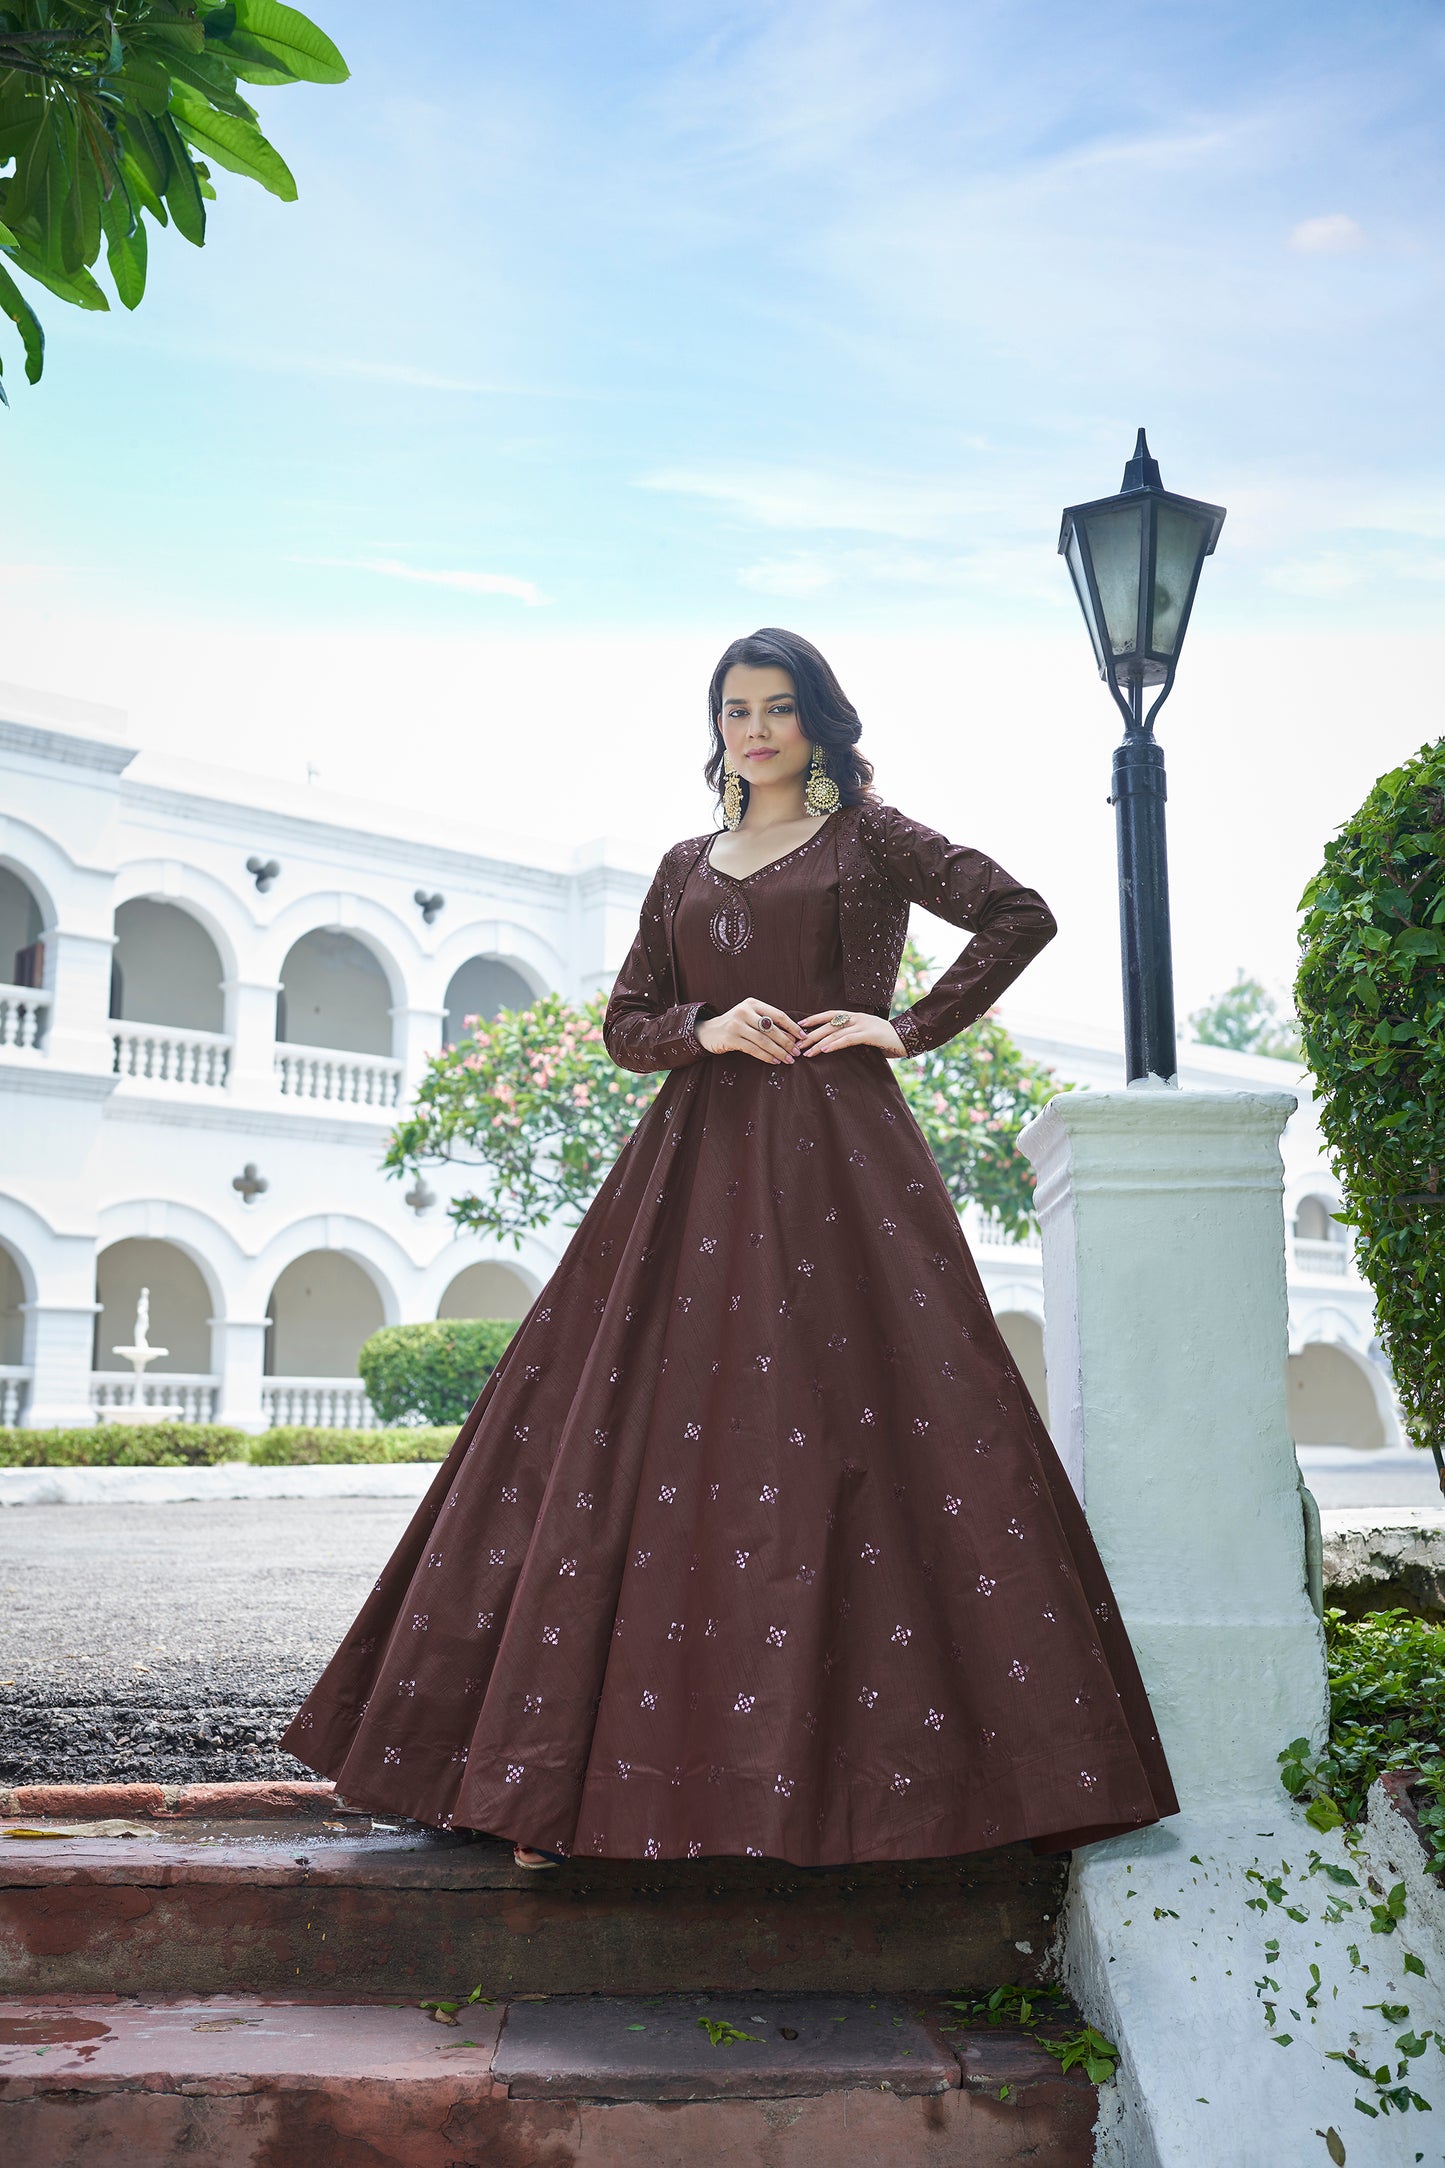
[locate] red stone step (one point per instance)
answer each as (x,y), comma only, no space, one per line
(111,2082)
(301,1904)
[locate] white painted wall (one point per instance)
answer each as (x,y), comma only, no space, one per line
(321,1309)
(334,993)
(166,970)
(180,1307)
(485,1291)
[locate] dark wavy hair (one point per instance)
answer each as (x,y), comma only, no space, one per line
(825,713)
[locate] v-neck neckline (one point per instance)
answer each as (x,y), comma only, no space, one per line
(740,880)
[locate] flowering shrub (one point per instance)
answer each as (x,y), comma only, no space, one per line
(532,1100)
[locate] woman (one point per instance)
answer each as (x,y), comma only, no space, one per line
(754,1541)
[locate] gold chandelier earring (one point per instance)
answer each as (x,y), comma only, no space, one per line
(732,796)
(821,795)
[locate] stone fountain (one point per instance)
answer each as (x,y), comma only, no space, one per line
(138,1354)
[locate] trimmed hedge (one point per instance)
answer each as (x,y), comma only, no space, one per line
(290,1448)
(119,1445)
(204,1445)
(432,1373)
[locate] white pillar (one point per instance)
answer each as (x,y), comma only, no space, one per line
(77,971)
(59,1344)
(416,1033)
(251,1023)
(1165,1344)
(238,1359)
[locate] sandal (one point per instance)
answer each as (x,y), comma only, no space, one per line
(538,1863)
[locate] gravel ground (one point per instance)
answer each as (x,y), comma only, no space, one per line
(173,1643)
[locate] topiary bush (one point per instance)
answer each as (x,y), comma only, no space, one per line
(118,1445)
(1371,1001)
(432,1373)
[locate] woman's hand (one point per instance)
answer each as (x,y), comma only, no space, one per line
(753,1027)
(834,1029)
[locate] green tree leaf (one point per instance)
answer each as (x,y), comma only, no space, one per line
(26,322)
(102,102)
(233,142)
(125,250)
(293,39)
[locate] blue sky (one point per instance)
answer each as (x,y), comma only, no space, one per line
(602,331)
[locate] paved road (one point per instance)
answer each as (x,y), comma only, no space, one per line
(173,1642)
(1339,1477)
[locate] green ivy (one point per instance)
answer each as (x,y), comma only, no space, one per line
(1387,1711)
(1371,1001)
(431,1373)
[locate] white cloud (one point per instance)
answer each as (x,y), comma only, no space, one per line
(787,576)
(466,583)
(1333,235)
(807,500)
(1317,578)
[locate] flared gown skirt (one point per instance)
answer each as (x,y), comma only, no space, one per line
(754,1542)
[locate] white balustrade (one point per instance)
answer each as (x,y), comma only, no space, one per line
(984,1231)
(185,1397)
(317,1404)
(1332,1260)
(14,1392)
(24,1015)
(170,1054)
(340,1079)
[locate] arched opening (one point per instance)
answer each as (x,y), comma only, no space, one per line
(1314,1221)
(321,1309)
(480,987)
(22,957)
(180,1301)
(1023,1336)
(334,993)
(165,969)
(12,1312)
(486,1291)
(1330,1399)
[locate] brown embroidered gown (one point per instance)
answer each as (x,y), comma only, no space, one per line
(754,1541)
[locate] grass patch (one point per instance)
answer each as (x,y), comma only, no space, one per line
(204,1445)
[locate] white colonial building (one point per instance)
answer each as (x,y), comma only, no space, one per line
(215,994)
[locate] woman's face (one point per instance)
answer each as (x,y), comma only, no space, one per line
(760,729)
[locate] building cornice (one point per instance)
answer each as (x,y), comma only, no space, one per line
(38,1079)
(232,1119)
(258,825)
(63,748)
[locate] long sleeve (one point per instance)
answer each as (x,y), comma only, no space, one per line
(642,1030)
(1009,923)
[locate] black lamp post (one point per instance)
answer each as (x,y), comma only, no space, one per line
(1135,561)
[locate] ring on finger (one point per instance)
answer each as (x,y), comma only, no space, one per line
(839,1021)
(765,1023)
